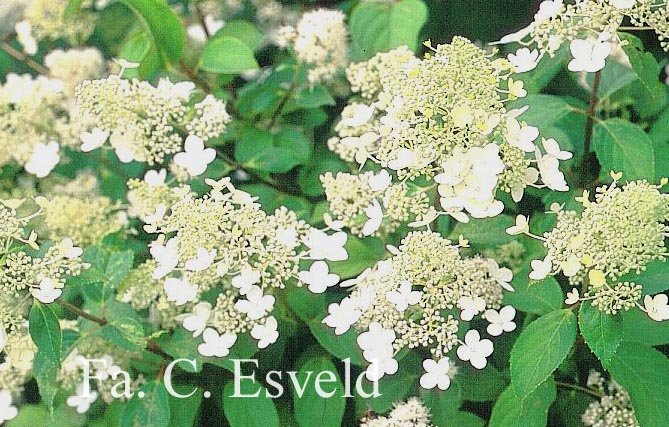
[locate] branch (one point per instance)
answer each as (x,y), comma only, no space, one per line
(151,345)
(20,56)
(589,124)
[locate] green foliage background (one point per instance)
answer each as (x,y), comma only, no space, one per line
(553,346)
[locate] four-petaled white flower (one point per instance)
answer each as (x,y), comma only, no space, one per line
(380,181)
(7,410)
(256,305)
(470,307)
(501,321)
(404,159)
(501,275)
(572,297)
(267,333)
(571,266)
(375,215)
(588,55)
(378,368)
(333,224)
(67,249)
(377,346)
(246,278)
(550,172)
(403,297)
(436,374)
(195,157)
(516,88)
(45,157)
(203,260)
(521,136)
(524,60)
(475,350)
(548,9)
(46,292)
(160,212)
(657,307)
(196,321)
(553,149)
(521,226)
(93,139)
(215,345)
(318,277)
(541,268)
(180,291)
(166,256)
(80,401)
(357,115)
(342,316)
(155,178)
(328,247)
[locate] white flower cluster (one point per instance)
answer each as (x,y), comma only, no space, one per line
(411,413)
(34,122)
(369,204)
(73,66)
(403,302)
(590,28)
(224,241)
(46,20)
(146,123)
(613,409)
(25,276)
(620,232)
(443,117)
(319,41)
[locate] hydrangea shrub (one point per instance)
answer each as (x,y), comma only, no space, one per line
(263,213)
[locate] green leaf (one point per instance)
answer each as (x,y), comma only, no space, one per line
(227,55)
(313,97)
(644,64)
(481,385)
(361,254)
(245,31)
(443,405)
(341,346)
(540,349)
(46,373)
(654,279)
(152,410)
(312,409)
(603,332)
(644,373)
(512,411)
(249,411)
(380,27)
(545,71)
(532,296)
(486,231)
(638,327)
(625,147)
(125,333)
(118,267)
(165,27)
(45,331)
(184,411)
(259,149)
(392,388)
(614,77)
